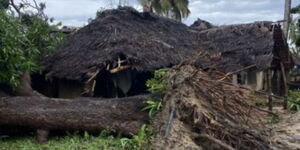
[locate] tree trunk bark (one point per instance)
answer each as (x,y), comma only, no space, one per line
(122,115)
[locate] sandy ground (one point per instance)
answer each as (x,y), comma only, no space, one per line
(286,133)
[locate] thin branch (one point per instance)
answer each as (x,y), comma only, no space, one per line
(243,69)
(217,141)
(17,9)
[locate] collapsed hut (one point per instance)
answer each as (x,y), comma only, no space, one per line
(115,55)
(200,112)
(252,54)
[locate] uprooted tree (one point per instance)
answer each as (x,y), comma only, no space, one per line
(43,114)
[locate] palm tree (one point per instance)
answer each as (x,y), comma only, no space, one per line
(176,9)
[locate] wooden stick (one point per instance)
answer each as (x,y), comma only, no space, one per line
(118,69)
(231,73)
(93,76)
(217,141)
(285,85)
(269,83)
(246,88)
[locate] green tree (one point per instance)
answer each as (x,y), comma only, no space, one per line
(176,9)
(4,4)
(24,39)
(13,56)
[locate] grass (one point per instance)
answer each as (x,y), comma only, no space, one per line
(74,142)
(104,141)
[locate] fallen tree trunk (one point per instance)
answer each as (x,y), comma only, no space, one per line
(122,115)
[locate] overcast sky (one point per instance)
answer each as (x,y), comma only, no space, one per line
(219,12)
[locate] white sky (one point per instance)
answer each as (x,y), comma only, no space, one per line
(219,12)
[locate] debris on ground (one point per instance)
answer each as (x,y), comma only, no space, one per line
(202,113)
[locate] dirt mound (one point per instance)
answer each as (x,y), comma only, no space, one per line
(202,113)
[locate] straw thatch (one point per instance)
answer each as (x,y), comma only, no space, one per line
(147,41)
(202,113)
(201,25)
(234,47)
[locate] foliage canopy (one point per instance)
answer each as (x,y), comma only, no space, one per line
(22,43)
(176,9)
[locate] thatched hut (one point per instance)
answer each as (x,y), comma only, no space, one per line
(201,25)
(248,52)
(115,54)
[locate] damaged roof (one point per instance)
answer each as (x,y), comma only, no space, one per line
(233,47)
(148,42)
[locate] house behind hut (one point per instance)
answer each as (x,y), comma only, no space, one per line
(248,52)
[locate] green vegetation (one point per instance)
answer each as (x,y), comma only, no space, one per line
(4,4)
(13,56)
(176,9)
(157,86)
(106,139)
(274,118)
(153,106)
(103,141)
(294,100)
(262,103)
(23,41)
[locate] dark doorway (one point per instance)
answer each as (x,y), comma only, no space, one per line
(106,83)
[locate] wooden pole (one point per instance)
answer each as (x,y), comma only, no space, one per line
(284,77)
(287,12)
(269,85)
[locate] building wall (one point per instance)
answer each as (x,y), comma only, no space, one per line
(259,80)
(253,79)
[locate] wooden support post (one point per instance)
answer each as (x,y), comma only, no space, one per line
(269,87)
(285,85)
(42,136)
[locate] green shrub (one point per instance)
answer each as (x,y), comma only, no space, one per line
(157,86)
(104,141)
(293,100)
(153,106)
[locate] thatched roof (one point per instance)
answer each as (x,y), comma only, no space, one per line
(201,25)
(147,41)
(234,47)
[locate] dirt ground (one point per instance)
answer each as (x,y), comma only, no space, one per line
(286,133)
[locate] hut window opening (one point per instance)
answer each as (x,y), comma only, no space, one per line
(121,79)
(242,78)
(251,77)
(125,83)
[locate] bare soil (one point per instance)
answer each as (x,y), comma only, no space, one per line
(286,133)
